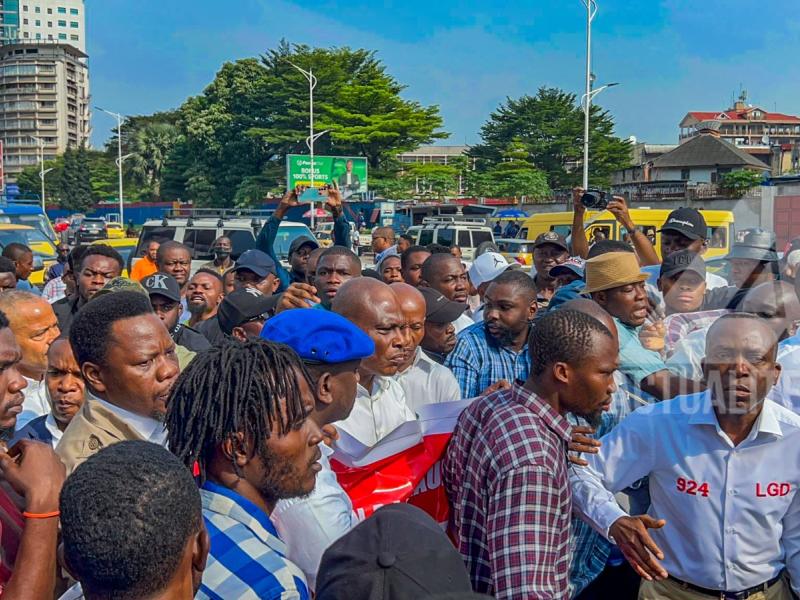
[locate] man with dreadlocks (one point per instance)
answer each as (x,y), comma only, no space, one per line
(505,470)
(240,413)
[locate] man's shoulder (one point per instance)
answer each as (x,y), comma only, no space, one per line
(252,567)
(788,419)
(513,434)
(191,339)
(93,428)
(33,430)
(474,335)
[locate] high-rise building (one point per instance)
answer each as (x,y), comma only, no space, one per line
(44,80)
(60,21)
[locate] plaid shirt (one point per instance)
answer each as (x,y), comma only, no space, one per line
(54,290)
(680,325)
(478,361)
(505,472)
(247,559)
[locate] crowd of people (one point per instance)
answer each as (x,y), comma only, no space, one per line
(630,427)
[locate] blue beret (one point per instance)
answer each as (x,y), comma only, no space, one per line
(318,336)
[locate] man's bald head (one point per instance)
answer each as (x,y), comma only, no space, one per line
(410,298)
(35,327)
(374,308)
(776,303)
(359,296)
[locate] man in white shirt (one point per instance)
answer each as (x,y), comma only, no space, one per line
(331,348)
(380,404)
(445,273)
(724,469)
(128,361)
(35,326)
(66,392)
(423,380)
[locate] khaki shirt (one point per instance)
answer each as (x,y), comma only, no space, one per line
(93,428)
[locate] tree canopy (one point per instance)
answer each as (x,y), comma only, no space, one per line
(548,127)
(239,130)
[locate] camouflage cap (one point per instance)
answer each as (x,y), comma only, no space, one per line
(121,284)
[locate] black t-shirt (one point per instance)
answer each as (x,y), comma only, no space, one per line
(190,339)
(210,330)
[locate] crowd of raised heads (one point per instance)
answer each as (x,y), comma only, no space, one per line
(620,420)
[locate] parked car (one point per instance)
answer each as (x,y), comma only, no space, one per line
(114,230)
(471,234)
(516,250)
(83,230)
(200,227)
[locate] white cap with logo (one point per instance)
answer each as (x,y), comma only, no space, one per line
(487,267)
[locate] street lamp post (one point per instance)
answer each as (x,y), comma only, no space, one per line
(312,83)
(42,176)
(591,12)
(42,172)
(120,158)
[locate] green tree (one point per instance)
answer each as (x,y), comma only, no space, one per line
(513,177)
(76,184)
(550,128)
(30,184)
(737,183)
(149,147)
(239,130)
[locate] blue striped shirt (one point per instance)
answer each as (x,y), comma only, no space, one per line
(247,558)
(478,361)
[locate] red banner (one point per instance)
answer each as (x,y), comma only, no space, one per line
(405,466)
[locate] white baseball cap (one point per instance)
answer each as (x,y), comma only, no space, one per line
(487,267)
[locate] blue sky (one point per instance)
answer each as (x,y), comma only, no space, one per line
(467,56)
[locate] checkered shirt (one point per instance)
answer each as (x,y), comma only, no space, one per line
(680,325)
(505,472)
(247,559)
(478,361)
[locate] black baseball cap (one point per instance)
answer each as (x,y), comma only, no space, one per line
(439,309)
(682,261)
(301,241)
(242,306)
(551,237)
(162,284)
(399,552)
(256,261)
(689,222)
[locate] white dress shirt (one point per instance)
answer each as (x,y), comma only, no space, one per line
(375,415)
(427,382)
(732,512)
(787,390)
(35,403)
(464,321)
(51,426)
(147,427)
(309,525)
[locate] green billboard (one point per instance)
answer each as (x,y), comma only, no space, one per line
(349,172)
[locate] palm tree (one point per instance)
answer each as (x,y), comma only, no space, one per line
(149,148)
